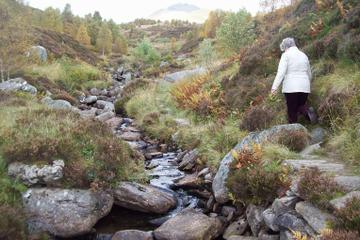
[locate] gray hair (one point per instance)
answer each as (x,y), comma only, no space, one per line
(287,43)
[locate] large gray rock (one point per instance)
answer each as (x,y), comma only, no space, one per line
(236,228)
(315,217)
(255,218)
(269,219)
(189,160)
(90,99)
(132,235)
(88,114)
(349,183)
(38,51)
(143,198)
(103,117)
(177,76)
(341,202)
(270,135)
(189,225)
(65,213)
(33,174)
(105,105)
(318,135)
(17,84)
(56,104)
(291,221)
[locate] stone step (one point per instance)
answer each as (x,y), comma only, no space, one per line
(322,165)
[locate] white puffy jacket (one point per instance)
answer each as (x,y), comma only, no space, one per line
(294,72)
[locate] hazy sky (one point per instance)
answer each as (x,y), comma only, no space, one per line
(128,10)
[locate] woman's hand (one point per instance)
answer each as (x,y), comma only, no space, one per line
(273,92)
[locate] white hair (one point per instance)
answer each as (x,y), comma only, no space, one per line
(287,43)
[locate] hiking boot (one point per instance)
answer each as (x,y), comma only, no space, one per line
(312,115)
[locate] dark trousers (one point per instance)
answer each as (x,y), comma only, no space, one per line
(296,103)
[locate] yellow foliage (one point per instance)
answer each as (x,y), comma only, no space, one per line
(83,36)
(299,236)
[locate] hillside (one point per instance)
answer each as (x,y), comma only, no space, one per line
(167,130)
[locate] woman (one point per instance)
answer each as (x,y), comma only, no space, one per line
(294,73)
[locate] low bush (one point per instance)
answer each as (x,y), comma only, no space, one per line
(294,140)
(333,109)
(257,118)
(349,216)
(255,181)
(350,47)
(339,235)
(62,95)
(90,151)
(146,53)
(12,223)
(318,188)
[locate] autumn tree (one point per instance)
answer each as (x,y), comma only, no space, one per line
(93,23)
(82,35)
(104,40)
(236,31)
(52,19)
(207,54)
(120,45)
(14,37)
(68,21)
(212,23)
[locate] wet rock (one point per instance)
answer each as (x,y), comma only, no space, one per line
(65,213)
(236,228)
(132,235)
(90,99)
(189,160)
(105,105)
(263,235)
(17,84)
(33,174)
(143,198)
(200,193)
(131,136)
(210,203)
(114,122)
(349,183)
(340,202)
(286,235)
(189,225)
(56,104)
(177,76)
(269,219)
(291,221)
(203,172)
(284,204)
(189,181)
(105,116)
(315,217)
(238,237)
(270,135)
(152,155)
(255,218)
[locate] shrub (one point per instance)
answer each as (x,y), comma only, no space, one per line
(146,53)
(353,19)
(350,47)
(257,118)
(318,188)
(12,223)
(333,108)
(64,96)
(349,216)
(294,140)
(207,54)
(119,105)
(272,152)
(90,151)
(252,180)
(339,235)
(331,43)
(236,31)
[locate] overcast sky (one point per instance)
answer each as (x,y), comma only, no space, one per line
(128,10)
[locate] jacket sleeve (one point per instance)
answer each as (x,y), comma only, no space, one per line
(280,73)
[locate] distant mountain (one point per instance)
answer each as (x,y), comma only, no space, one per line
(181,11)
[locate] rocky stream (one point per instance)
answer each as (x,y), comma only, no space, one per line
(182,201)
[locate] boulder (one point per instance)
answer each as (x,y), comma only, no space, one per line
(95,92)
(131,136)
(315,217)
(236,228)
(105,105)
(56,104)
(263,235)
(291,221)
(132,235)
(270,135)
(33,174)
(17,84)
(65,213)
(177,76)
(39,52)
(189,181)
(90,99)
(284,204)
(189,225)
(255,218)
(318,135)
(349,183)
(340,202)
(269,219)
(88,114)
(105,116)
(286,235)
(143,198)
(127,76)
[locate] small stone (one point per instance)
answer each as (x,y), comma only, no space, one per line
(90,99)
(189,160)
(131,136)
